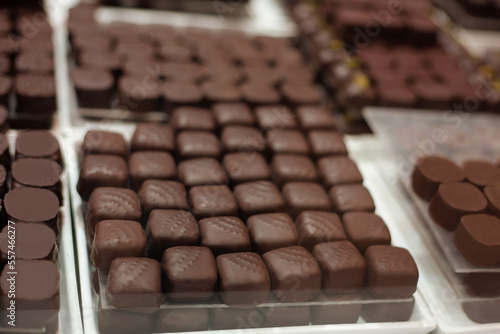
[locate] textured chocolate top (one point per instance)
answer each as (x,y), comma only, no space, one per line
(159,194)
(271,231)
(258,197)
(293,167)
(246,167)
(208,201)
(153,137)
(36,172)
(239,138)
(301,196)
(31,204)
(33,241)
(338,170)
(351,197)
(201,171)
(196,144)
(224,235)
(104,142)
(315,227)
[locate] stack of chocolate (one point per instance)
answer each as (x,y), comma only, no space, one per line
(27,84)
(158,67)
(30,229)
(248,207)
(466,201)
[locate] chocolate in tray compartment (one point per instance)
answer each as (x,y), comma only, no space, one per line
(104,142)
(34,242)
(37,144)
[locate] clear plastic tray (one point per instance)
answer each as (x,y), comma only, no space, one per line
(421,320)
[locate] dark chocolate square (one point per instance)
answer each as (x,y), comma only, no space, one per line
(104,142)
(224,235)
(275,117)
(197,144)
(338,170)
(293,168)
(158,194)
(240,138)
(391,272)
(315,227)
(326,143)
(302,196)
(342,265)
(100,170)
(201,171)
(287,142)
(295,274)
(315,118)
(191,273)
(246,167)
(270,231)
(365,229)
(117,238)
(134,284)
(169,228)
(232,114)
(258,197)
(209,201)
(153,137)
(149,165)
(111,203)
(191,118)
(351,197)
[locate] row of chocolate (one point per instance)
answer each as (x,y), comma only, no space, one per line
(27,84)
(29,238)
(156,67)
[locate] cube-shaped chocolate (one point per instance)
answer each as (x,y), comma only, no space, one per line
(117,238)
(101,170)
(270,231)
(342,266)
(197,144)
(191,273)
(111,204)
(246,167)
(158,194)
(391,272)
(201,171)
(232,114)
(365,229)
(104,142)
(224,235)
(153,137)
(258,197)
(240,138)
(147,165)
(244,279)
(302,196)
(351,197)
(287,142)
(209,201)
(315,227)
(134,284)
(338,170)
(325,143)
(169,228)
(295,274)
(275,117)
(190,118)
(293,168)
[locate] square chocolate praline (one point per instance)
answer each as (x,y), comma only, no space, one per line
(153,137)
(351,197)
(295,274)
(391,272)
(270,231)
(191,273)
(241,138)
(365,229)
(343,267)
(287,142)
(169,228)
(243,279)
(224,235)
(111,203)
(201,171)
(148,165)
(315,118)
(325,143)
(246,167)
(232,114)
(134,284)
(315,227)
(275,117)
(209,201)
(258,197)
(191,118)
(117,238)
(197,144)
(302,196)
(338,170)
(104,142)
(293,168)
(100,170)
(158,194)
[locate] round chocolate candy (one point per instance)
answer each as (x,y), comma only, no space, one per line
(482,173)
(430,172)
(37,144)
